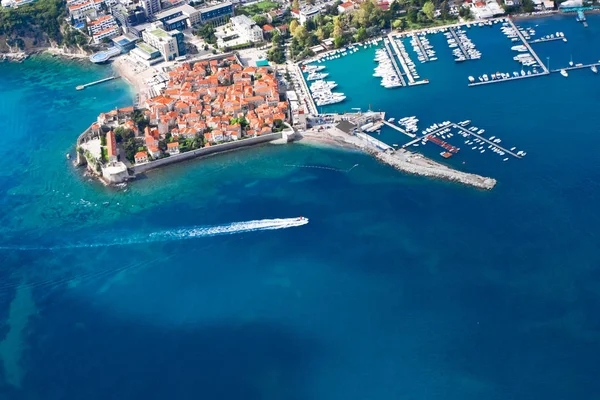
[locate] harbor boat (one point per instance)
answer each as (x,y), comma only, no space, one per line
(564,73)
(571,62)
(471,79)
(594,69)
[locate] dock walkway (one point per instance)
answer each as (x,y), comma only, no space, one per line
(459,42)
(110,78)
(533,53)
(543,40)
(423,51)
(395,46)
(396,127)
(512,78)
(394,63)
(485,140)
(453,125)
(577,67)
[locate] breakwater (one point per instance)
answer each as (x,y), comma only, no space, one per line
(206,151)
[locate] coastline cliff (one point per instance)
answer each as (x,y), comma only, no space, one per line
(39,27)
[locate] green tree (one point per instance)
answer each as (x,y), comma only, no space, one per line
(293,26)
(260,20)
(338,27)
(528,6)
(320,34)
(429,9)
(339,41)
(361,34)
(412,15)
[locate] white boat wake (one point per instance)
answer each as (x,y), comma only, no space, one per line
(180,234)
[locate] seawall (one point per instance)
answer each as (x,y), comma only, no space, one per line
(219,148)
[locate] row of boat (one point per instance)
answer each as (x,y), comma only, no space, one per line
(439,132)
(334,54)
(463,47)
(407,60)
(322,93)
(409,124)
(385,70)
(503,75)
(423,48)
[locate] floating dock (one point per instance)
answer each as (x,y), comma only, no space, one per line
(576,67)
(444,145)
(110,78)
(412,135)
(543,40)
(393,58)
(512,78)
(460,45)
(485,140)
(533,53)
(451,148)
(423,51)
(408,74)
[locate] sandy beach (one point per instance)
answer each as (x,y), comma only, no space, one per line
(134,74)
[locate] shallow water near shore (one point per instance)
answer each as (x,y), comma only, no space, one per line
(398,287)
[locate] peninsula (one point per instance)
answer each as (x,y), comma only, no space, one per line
(206,107)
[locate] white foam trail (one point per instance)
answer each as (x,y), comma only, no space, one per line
(182,234)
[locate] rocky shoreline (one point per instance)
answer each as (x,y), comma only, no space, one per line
(402,160)
(20,56)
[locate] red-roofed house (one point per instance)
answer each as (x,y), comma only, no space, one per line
(173,148)
(111,146)
(268,29)
(346,7)
(154,151)
(141,157)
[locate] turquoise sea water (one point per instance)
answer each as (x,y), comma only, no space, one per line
(399,287)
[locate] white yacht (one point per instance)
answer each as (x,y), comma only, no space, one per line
(564,73)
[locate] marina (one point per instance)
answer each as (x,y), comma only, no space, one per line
(445,128)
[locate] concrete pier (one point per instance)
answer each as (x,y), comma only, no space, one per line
(462,48)
(456,126)
(543,40)
(576,67)
(533,53)
(395,46)
(312,107)
(396,68)
(423,51)
(512,78)
(396,127)
(485,140)
(110,78)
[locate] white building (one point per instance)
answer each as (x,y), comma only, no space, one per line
(151,7)
(106,33)
(306,14)
(247,29)
(100,24)
(162,41)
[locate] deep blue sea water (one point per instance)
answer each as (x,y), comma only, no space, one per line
(399,287)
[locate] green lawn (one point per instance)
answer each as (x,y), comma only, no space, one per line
(258,8)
